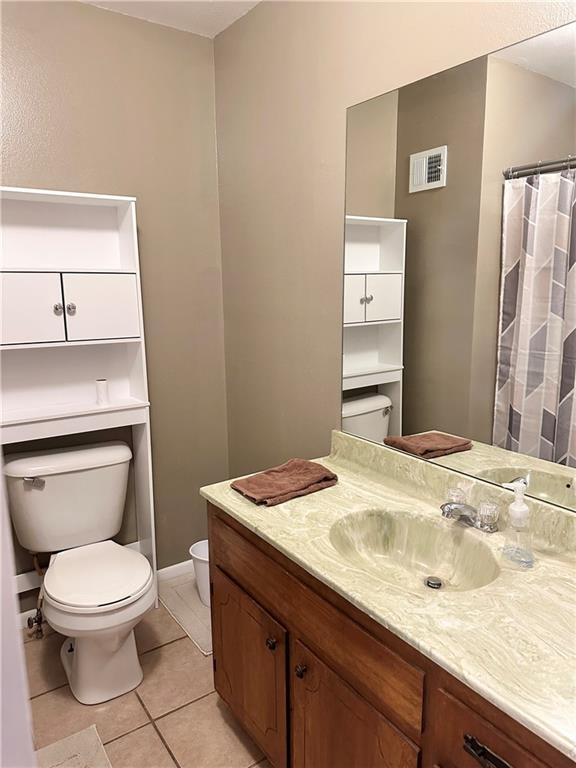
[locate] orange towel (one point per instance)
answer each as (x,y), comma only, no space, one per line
(430,445)
(296,477)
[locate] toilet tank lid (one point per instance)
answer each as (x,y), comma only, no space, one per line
(367,404)
(58,461)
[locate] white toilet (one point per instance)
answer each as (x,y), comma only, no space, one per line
(70,502)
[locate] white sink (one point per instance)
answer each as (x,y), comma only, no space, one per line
(405,549)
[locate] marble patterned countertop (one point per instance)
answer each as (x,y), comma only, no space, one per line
(513,640)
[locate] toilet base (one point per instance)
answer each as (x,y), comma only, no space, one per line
(101,666)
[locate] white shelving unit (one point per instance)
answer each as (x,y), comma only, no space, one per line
(72,313)
(374,266)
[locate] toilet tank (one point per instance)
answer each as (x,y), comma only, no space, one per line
(367,416)
(67,497)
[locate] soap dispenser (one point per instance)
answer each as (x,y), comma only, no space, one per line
(518,544)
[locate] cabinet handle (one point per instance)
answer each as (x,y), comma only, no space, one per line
(71,308)
(369,299)
(271,643)
(300,670)
(58,309)
(363,300)
(482,754)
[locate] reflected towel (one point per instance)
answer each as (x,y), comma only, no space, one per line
(296,477)
(430,445)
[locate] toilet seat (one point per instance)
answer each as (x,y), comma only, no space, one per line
(96,578)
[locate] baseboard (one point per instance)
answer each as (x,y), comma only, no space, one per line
(178,569)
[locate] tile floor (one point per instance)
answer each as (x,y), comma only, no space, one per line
(174,719)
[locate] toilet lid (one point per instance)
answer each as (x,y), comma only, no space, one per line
(97,575)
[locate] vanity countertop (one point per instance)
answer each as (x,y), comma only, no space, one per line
(512,641)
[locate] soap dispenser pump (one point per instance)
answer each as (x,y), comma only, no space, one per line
(518,544)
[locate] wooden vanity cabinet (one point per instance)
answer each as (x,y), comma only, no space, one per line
(250,654)
(318,684)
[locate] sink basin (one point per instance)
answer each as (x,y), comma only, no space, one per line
(558,487)
(405,549)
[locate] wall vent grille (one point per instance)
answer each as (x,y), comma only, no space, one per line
(428,169)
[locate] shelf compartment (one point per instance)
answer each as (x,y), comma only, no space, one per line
(59,232)
(59,379)
(374,245)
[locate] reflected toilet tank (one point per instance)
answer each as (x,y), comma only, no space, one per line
(67,497)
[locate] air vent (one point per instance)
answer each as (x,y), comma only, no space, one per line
(428,169)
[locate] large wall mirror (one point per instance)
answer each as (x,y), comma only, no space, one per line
(460,266)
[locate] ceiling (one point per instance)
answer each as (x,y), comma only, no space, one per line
(552,54)
(202,18)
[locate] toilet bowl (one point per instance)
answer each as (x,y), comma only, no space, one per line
(95,595)
(70,502)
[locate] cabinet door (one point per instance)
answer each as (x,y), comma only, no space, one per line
(32,308)
(101,306)
(463,739)
(250,665)
(334,727)
(354,298)
(386,301)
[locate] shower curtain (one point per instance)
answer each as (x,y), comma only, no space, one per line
(535,406)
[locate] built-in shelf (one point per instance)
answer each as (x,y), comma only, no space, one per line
(372,323)
(374,264)
(68,410)
(71,305)
(386,368)
(70,344)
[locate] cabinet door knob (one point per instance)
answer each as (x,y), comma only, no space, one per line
(369,299)
(71,308)
(300,670)
(58,309)
(271,643)
(363,300)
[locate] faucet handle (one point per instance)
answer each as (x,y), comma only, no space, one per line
(487,519)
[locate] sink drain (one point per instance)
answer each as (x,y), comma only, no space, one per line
(433,582)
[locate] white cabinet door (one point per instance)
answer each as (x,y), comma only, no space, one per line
(386,301)
(32,310)
(101,306)
(354,298)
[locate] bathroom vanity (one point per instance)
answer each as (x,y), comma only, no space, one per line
(331,653)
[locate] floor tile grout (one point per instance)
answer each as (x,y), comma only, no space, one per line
(170,642)
(160,736)
(181,706)
(133,730)
(50,690)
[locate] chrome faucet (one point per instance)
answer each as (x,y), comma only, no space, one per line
(484,518)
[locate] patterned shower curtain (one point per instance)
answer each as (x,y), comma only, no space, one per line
(535,408)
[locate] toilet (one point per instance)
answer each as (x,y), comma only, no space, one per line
(70,502)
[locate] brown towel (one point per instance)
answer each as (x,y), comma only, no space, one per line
(430,445)
(296,477)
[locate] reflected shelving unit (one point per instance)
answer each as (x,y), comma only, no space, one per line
(71,314)
(373,336)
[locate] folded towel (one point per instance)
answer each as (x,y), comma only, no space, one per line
(430,445)
(296,477)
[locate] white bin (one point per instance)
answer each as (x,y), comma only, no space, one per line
(199,555)
(367,416)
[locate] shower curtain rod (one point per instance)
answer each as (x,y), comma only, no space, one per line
(543,166)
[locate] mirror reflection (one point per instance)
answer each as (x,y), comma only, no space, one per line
(460,268)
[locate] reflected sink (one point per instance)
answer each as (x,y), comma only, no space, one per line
(404,549)
(557,487)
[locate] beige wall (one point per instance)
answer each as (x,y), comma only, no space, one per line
(442,245)
(371,156)
(285,74)
(529,117)
(99,102)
